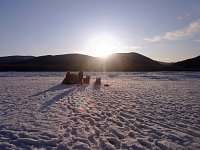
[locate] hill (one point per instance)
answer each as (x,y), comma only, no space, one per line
(75,62)
(192,64)
(71,62)
(14,59)
(131,62)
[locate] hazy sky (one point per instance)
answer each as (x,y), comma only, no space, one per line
(167,30)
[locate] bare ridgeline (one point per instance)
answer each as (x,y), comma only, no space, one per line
(116,62)
(139,111)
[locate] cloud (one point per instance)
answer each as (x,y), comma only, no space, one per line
(189,31)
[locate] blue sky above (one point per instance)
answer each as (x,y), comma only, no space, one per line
(167,30)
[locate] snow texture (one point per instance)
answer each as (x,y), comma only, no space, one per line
(137,111)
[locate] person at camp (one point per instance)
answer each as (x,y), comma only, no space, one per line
(80,77)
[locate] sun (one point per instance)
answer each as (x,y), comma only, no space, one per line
(103,45)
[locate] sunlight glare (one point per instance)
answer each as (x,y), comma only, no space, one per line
(104,45)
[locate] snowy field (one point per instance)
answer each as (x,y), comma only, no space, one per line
(137,111)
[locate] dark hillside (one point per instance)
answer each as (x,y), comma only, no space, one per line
(76,62)
(192,64)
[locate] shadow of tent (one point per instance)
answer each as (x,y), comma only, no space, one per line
(82,88)
(54,88)
(58,97)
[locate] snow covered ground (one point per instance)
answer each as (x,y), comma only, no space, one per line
(137,111)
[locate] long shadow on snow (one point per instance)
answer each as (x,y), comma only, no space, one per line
(73,89)
(97,87)
(54,88)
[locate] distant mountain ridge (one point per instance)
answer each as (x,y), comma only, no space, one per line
(131,62)
(13,59)
(75,62)
(192,64)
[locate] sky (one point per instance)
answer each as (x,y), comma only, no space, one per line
(164,30)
